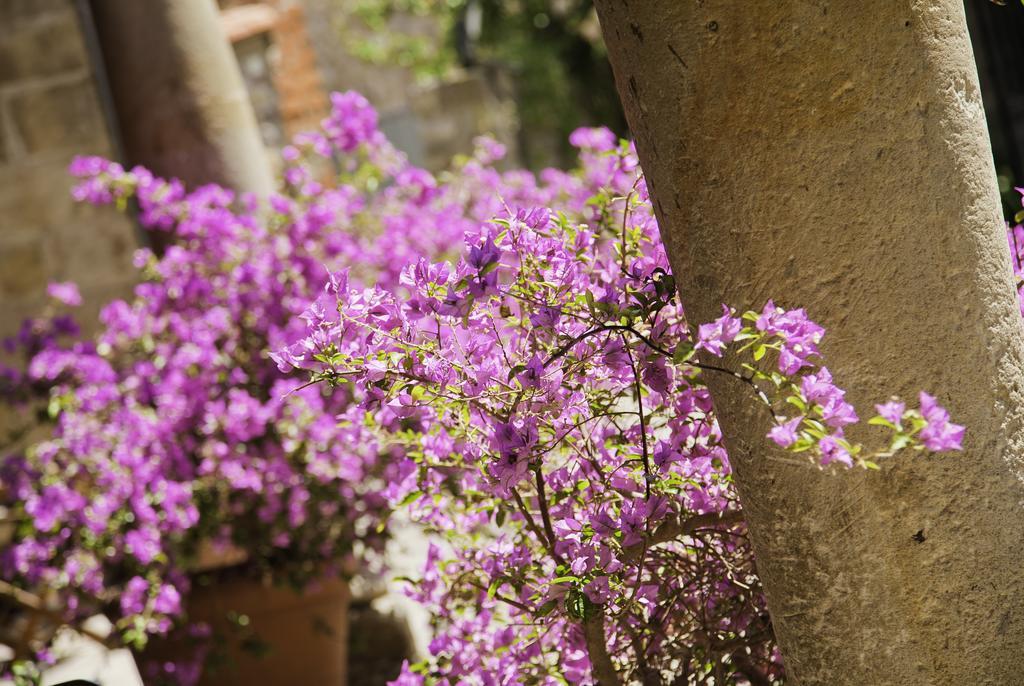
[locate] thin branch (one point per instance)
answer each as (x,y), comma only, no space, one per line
(657,348)
(542,502)
(671,530)
(625,218)
(532,526)
(557,441)
(508,601)
(643,422)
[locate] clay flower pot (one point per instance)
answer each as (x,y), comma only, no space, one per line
(268,635)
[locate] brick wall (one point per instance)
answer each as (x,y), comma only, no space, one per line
(49,111)
(275,31)
(303,98)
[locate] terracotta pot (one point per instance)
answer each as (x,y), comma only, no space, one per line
(302,638)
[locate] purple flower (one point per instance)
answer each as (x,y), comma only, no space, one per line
(833,451)
(837,413)
(818,387)
(487,150)
(799,336)
(939,434)
(790,363)
(407,677)
(65,292)
(482,259)
(353,121)
(786,433)
(167,600)
(598,590)
(143,544)
(714,336)
(891,411)
(658,375)
(534,218)
(134,596)
(509,438)
(532,375)
(595,139)
(545,317)
(483,255)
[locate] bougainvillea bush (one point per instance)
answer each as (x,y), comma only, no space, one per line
(176,438)
(501,355)
(545,395)
(1015,236)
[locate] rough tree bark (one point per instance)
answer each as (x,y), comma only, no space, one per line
(182,107)
(833,155)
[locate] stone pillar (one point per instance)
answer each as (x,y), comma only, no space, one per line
(181,104)
(833,155)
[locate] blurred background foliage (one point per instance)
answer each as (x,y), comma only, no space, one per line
(550,51)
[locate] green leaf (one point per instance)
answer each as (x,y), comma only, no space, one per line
(565,579)
(683,352)
(409,498)
(797,402)
(546,609)
(900,442)
(882,421)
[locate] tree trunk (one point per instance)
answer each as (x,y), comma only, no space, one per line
(182,107)
(833,155)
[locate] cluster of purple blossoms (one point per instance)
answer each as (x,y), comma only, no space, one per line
(543,398)
(173,433)
(503,355)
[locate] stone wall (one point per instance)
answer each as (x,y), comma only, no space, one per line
(450,115)
(50,110)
